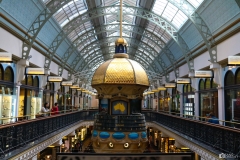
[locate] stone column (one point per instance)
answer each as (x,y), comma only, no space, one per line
(221,103)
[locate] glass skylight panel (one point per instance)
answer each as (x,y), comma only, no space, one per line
(169,11)
(195,3)
(179,19)
(46,1)
(80,30)
(70,11)
(159,6)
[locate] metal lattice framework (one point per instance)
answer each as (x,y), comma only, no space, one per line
(81,40)
(142,60)
(183,5)
(148,49)
(38,23)
(114,10)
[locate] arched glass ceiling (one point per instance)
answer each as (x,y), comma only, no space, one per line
(171,12)
(163,8)
(70,11)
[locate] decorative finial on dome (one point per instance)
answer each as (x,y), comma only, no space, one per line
(120,43)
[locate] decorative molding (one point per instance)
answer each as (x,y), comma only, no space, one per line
(201,151)
(35,149)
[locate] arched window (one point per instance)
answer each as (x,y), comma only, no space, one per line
(35,81)
(201,84)
(1,72)
(237,76)
(30,80)
(8,74)
(207,83)
(229,79)
(185,88)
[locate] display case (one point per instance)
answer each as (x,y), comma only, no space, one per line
(33,107)
(21,106)
(38,104)
(7,110)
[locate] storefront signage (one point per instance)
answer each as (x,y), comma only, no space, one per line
(66,83)
(203,74)
(170,85)
(34,71)
(161,88)
(54,79)
(75,86)
(183,80)
(5,57)
(233,60)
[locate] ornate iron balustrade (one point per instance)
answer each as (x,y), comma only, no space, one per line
(218,137)
(23,133)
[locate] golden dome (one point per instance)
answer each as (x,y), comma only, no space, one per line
(120,71)
(121,41)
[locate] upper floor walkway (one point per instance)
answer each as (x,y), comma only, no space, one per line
(24,139)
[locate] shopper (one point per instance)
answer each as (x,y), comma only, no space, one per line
(45,110)
(54,109)
(212,118)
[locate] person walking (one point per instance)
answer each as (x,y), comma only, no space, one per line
(54,109)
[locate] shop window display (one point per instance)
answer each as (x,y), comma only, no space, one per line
(61,97)
(7,96)
(175,109)
(30,101)
(208,97)
(188,100)
(232,97)
(48,94)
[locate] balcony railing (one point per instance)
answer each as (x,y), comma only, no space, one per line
(23,133)
(217,137)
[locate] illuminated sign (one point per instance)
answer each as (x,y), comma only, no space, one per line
(161,88)
(75,86)
(5,57)
(66,83)
(203,74)
(34,71)
(170,85)
(183,80)
(54,79)
(233,60)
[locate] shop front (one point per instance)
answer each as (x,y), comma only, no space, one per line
(61,97)
(232,97)
(175,106)
(8,108)
(188,100)
(208,97)
(48,94)
(30,99)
